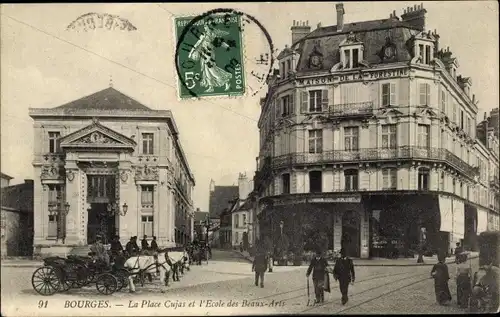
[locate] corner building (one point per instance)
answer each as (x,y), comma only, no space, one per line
(106,164)
(368,139)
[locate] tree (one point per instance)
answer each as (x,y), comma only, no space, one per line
(245,241)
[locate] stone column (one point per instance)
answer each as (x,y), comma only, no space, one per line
(73,197)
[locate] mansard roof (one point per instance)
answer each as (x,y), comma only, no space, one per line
(107,99)
(373,34)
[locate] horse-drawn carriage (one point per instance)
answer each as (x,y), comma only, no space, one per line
(61,274)
(485,282)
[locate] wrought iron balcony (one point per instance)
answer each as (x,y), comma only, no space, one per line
(351,109)
(376,154)
(263,173)
(494,182)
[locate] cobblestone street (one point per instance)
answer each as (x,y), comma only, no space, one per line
(225,286)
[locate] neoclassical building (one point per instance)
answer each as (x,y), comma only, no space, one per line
(106,164)
(368,142)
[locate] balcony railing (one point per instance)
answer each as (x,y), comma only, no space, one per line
(494,181)
(376,154)
(351,109)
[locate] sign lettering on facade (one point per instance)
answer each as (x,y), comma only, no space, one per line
(358,76)
(345,199)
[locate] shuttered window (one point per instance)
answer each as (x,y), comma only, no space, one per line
(390,178)
(425,96)
(52,228)
(389,94)
(147,195)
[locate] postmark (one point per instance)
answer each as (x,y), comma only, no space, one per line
(212,56)
(92,21)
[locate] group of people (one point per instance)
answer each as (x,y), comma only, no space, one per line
(198,251)
(464,280)
(343,272)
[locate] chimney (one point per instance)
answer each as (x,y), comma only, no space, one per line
(243,186)
(299,30)
(415,17)
(340,16)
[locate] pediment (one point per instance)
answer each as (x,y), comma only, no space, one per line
(97,136)
(390,112)
(428,112)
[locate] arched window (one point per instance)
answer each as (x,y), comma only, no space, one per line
(351,179)
(423,178)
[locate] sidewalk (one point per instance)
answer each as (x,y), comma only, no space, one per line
(428,260)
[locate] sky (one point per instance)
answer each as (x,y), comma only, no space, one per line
(43,65)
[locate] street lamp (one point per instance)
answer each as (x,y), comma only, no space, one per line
(113,210)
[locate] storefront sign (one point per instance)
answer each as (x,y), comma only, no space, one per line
(348,199)
(343,199)
(350,77)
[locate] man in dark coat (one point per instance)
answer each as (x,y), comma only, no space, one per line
(131,247)
(154,245)
(116,246)
(344,273)
(318,267)
(144,243)
(259,265)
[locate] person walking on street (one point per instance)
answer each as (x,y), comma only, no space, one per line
(463,274)
(259,265)
(344,273)
(458,252)
(441,276)
(318,267)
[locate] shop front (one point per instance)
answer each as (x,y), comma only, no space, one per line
(401,224)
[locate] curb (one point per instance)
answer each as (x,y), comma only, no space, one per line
(377,264)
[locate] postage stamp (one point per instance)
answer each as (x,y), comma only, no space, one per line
(211,56)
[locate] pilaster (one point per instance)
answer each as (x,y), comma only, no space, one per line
(73,176)
(365,232)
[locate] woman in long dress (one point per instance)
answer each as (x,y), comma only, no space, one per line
(441,276)
(463,274)
(204,50)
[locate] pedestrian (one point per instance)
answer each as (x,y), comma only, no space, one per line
(319,268)
(458,251)
(344,273)
(259,265)
(441,276)
(270,261)
(154,245)
(463,275)
(144,243)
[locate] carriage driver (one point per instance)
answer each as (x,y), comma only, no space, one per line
(99,251)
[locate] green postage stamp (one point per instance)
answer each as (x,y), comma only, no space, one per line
(209,55)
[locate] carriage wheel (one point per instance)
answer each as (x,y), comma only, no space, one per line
(122,277)
(45,281)
(106,284)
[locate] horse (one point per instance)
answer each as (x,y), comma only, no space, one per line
(485,289)
(180,261)
(149,264)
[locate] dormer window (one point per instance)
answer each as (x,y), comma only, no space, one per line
(351,52)
(424,47)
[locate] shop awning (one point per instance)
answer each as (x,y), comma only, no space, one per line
(482,220)
(446,212)
(458,218)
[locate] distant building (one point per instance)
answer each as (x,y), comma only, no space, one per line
(17,219)
(5,180)
(219,201)
(241,224)
(200,218)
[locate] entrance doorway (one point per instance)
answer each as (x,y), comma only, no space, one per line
(351,233)
(100,222)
